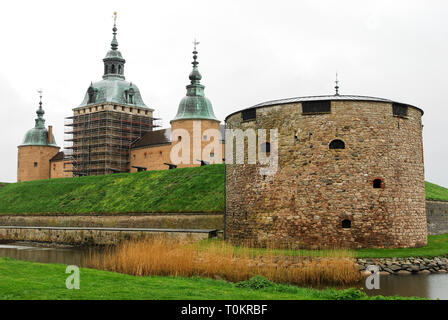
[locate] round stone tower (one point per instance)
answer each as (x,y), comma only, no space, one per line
(195,117)
(36,150)
(350,174)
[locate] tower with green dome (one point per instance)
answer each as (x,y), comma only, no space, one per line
(36,150)
(195,115)
(111,116)
(195,105)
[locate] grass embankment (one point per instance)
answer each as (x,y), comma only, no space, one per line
(198,189)
(437,247)
(35,281)
(436,192)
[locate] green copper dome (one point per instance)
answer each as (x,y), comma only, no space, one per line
(38,136)
(113,88)
(195,105)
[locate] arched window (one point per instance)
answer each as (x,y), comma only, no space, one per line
(119,69)
(266,147)
(346,224)
(105,69)
(337,144)
(378,183)
(113,69)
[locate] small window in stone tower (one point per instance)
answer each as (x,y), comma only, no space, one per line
(112,69)
(378,183)
(91,93)
(35,164)
(265,147)
(400,110)
(119,69)
(346,224)
(337,144)
(313,107)
(250,114)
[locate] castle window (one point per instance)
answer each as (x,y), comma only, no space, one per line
(313,107)
(378,183)
(113,69)
(266,147)
(145,155)
(346,224)
(179,138)
(92,95)
(35,164)
(400,110)
(204,138)
(250,114)
(212,155)
(337,144)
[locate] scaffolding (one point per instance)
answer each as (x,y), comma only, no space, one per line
(99,142)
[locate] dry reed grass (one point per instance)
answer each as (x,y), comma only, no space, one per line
(220,260)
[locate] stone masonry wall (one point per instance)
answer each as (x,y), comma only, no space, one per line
(437,214)
(155,157)
(315,188)
(162,221)
(91,237)
(28,155)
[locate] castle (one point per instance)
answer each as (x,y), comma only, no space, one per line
(112,130)
(350,168)
(350,174)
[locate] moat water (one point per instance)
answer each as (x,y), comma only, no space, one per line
(434,286)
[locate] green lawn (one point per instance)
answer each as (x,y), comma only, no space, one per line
(27,280)
(436,192)
(198,189)
(437,246)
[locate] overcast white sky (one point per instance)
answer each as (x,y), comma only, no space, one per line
(250,52)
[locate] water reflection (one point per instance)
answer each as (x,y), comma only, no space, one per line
(434,286)
(32,252)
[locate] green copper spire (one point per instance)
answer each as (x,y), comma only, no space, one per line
(195,105)
(38,136)
(114,62)
(113,88)
(40,121)
(114,43)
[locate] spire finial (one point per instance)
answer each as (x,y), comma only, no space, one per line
(40,122)
(337,85)
(114,43)
(195,53)
(195,76)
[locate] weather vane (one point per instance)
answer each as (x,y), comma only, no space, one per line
(40,94)
(115,17)
(337,85)
(195,43)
